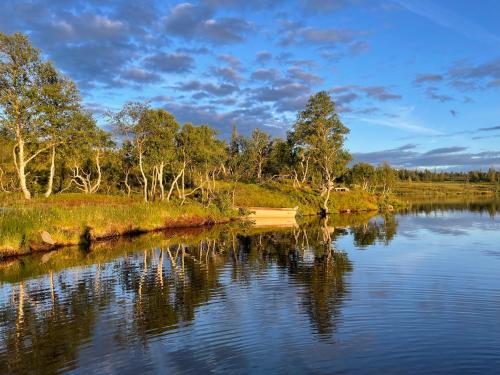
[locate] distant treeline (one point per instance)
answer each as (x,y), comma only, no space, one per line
(426,175)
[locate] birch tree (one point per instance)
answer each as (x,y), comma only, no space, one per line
(201,155)
(85,150)
(128,124)
(59,103)
(319,132)
(257,149)
(364,175)
(22,79)
(160,129)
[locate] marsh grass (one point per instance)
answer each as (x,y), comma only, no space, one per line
(443,189)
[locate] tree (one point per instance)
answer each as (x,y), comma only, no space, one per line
(234,154)
(256,150)
(492,175)
(8,176)
(386,177)
(128,123)
(201,155)
(280,157)
(60,101)
(126,156)
(319,132)
(84,151)
(25,83)
(363,174)
(161,129)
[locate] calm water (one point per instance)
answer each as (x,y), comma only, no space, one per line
(417,292)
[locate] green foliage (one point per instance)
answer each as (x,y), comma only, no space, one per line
(21,75)
(256,150)
(364,175)
(386,178)
(321,135)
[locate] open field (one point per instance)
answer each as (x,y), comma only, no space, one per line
(443,189)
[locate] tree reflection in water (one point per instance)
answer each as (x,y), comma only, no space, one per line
(382,229)
(49,320)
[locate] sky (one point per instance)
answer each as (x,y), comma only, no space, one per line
(416,81)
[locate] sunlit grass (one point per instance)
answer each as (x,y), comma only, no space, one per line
(68,217)
(308,200)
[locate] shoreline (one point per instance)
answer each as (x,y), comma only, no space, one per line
(76,219)
(87,238)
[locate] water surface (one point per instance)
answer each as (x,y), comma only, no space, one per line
(415,292)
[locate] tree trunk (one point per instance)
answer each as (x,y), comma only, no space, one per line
(305,170)
(96,186)
(52,172)
(154,180)
(21,169)
(160,180)
(126,182)
(173,184)
(329,187)
(183,184)
(144,178)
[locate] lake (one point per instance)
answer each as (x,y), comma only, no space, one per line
(414,292)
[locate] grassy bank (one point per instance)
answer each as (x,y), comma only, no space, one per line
(14,270)
(77,218)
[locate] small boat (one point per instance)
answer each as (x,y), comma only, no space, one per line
(272,217)
(271,212)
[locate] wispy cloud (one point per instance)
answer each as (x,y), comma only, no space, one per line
(455,157)
(491,128)
(446,18)
(400,124)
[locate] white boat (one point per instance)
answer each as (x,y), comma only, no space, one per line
(272,217)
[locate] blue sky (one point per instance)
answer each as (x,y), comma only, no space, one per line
(416,81)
